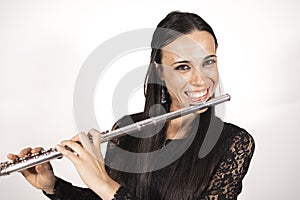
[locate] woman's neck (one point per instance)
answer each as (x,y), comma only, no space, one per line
(178,128)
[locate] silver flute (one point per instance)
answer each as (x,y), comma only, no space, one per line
(43,156)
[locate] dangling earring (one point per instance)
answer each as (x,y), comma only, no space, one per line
(163,96)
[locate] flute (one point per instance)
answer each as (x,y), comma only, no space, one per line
(32,160)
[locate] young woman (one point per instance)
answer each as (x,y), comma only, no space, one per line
(162,162)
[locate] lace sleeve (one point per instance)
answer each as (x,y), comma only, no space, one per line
(124,194)
(66,191)
(226,182)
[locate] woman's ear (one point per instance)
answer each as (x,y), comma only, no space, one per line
(159,70)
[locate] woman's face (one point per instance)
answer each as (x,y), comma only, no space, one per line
(189,69)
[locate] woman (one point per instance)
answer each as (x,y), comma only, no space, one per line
(182,70)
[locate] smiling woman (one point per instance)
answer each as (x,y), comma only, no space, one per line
(182,70)
(189,68)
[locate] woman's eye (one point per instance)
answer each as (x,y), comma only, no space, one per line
(208,63)
(182,67)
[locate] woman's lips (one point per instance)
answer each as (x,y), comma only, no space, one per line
(197,96)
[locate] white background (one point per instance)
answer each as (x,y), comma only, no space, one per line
(43,45)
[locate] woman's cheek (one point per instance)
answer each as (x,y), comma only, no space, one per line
(212,77)
(175,80)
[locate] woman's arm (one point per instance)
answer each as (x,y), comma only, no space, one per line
(87,158)
(64,190)
(226,182)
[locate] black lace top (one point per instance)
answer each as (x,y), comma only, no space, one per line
(225,183)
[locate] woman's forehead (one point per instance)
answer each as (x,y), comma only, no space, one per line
(195,45)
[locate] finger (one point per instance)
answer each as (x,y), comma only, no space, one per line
(12,156)
(76,138)
(68,154)
(94,150)
(37,150)
(74,146)
(25,152)
(42,168)
(85,141)
(28,172)
(96,137)
(38,169)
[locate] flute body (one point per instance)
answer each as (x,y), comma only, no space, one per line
(31,160)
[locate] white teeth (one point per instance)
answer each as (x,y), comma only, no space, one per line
(196,94)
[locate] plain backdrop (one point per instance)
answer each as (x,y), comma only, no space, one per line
(44,43)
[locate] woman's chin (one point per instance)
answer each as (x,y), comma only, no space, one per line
(202,111)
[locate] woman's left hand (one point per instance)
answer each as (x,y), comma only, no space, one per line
(89,163)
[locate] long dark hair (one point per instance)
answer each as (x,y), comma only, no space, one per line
(189,175)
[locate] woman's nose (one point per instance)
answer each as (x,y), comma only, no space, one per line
(197,78)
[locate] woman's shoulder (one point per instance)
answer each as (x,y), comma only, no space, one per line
(234,162)
(238,138)
(237,132)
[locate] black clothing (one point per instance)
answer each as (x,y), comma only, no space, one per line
(225,182)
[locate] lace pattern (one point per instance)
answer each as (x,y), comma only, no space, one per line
(225,184)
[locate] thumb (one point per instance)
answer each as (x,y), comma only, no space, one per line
(43,168)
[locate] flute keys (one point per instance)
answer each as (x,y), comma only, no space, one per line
(27,161)
(18,160)
(5,164)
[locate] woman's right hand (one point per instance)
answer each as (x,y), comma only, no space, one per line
(40,176)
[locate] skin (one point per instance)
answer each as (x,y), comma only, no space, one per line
(40,176)
(88,161)
(189,68)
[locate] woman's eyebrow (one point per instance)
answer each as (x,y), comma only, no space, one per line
(181,61)
(209,56)
(187,61)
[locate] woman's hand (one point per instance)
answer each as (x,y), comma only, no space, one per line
(40,176)
(89,163)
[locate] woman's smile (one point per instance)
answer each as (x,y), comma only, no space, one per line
(197,95)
